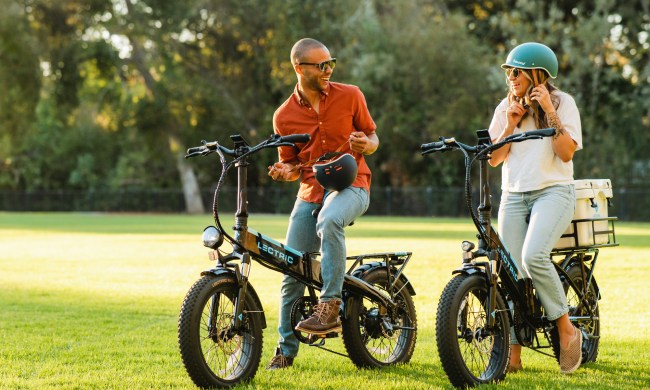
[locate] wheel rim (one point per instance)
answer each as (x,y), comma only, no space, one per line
(302,309)
(384,340)
(590,321)
(226,353)
(477,345)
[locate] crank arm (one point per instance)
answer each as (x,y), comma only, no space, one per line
(404,327)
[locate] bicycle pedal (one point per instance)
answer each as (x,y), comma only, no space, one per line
(313,338)
(316,340)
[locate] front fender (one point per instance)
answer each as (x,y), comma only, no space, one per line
(469,270)
(219,271)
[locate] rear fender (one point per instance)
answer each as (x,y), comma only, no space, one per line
(576,263)
(358,272)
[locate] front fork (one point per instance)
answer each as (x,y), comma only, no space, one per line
(242,279)
(241,274)
(492,277)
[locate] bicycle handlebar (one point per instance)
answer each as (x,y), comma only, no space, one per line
(446,144)
(295,138)
(273,141)
(533,134)
(437,145)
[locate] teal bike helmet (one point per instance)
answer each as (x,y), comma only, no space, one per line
(532,55)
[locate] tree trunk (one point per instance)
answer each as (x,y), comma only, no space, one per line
(191,191)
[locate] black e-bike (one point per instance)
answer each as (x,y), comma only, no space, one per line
(473,318)
(221,319)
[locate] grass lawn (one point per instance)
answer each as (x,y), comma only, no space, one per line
(91,301)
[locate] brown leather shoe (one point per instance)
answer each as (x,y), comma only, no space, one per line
(279,361)
(324,320)
(571,357)
(512,368)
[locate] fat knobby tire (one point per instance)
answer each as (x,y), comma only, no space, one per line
(591,327)
(355,336)
(192,321)
(451,318)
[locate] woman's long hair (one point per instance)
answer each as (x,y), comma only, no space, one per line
(536,77)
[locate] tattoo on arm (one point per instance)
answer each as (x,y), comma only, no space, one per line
(554,121)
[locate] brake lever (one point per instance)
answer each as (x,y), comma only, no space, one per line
(442,149)
(281,144)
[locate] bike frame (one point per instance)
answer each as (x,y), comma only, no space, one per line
(501,270)
(501,266)
(520,289)
(248,243)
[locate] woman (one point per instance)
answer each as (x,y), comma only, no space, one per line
(538,197)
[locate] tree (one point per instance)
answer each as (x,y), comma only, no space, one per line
(108,93)
(603,50)
(20,83)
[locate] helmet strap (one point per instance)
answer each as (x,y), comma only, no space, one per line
(324,157)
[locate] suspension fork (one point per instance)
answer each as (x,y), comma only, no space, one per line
(242,283)
(492,288)
(214,311)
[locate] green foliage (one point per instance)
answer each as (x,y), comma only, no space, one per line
(20,84)
(423,79)
(123,87)
(604,52)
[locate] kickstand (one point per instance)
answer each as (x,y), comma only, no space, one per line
(320,344)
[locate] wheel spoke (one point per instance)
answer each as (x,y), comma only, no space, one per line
(382,337)
(477,354)
(214,353)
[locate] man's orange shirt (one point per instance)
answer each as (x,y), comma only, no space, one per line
(342,110)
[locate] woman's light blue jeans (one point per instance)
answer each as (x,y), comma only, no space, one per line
(308,234)
(530,243)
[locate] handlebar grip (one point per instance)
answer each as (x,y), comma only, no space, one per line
(541,132)
(196,149)
(432,145)
(295,138)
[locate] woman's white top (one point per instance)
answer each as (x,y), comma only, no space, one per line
(532,165)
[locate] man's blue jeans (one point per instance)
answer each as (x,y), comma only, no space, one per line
(308,234)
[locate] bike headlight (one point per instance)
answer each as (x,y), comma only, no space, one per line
(467,246)
(212,237)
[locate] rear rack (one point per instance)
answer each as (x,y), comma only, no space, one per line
(604,237)
(391,258)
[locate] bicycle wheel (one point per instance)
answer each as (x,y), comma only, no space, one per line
(373,339)
(213,352)
(471,354)
(587,315)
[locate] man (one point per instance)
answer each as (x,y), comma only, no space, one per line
(336,117)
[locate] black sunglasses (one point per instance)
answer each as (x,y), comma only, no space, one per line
(514,72)
(322,65)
